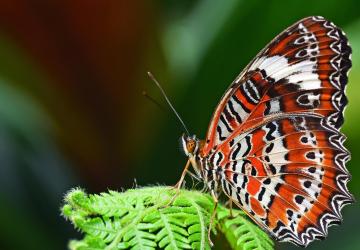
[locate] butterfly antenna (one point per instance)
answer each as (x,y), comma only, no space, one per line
(168,101)
(144,93)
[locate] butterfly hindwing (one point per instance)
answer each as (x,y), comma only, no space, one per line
(293,179)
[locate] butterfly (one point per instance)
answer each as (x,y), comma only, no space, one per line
(273,145)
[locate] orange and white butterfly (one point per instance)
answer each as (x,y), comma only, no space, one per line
(274,145)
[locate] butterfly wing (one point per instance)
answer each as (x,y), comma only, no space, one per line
(304,69)
(276,131)
(289,174)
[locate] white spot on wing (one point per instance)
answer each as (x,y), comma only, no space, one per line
(310,84)
(270,64)
(277,67)
(274,106)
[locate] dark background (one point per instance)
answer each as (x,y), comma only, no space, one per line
(72,113)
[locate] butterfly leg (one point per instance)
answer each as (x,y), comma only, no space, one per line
(229,204)
(216,201)
(179,183)
(230,207)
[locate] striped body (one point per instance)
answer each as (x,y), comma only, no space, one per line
(273,145)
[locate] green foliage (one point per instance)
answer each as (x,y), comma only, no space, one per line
(142,219)
(242,233)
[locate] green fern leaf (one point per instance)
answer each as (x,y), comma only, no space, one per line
(142,219)
(241,233)
(170,233)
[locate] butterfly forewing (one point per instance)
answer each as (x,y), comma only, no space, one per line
(300,70)
(276,131)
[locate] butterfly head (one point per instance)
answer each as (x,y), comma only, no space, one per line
(189,144)
(192,147)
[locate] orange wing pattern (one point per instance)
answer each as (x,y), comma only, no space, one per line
(289,175)
(274,145)
(304,69)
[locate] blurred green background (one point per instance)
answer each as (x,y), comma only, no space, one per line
(72,112)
